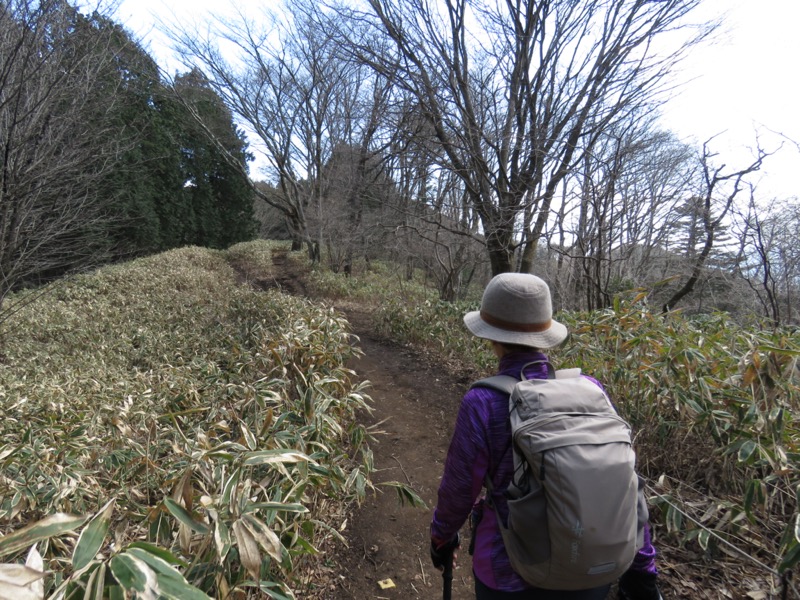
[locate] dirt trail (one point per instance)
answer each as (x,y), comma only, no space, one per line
(414,409)
(415,404)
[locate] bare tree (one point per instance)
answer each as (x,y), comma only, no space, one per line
(269,90)
(291,87)
(770,257)
(58,87)
(445,244)
(760,238)
(515,91)
(709,210)
(626,192)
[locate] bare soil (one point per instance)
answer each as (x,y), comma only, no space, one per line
(414,407)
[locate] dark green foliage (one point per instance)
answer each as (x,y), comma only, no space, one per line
(214,166)
(148,172)
(100,159)
(178,185)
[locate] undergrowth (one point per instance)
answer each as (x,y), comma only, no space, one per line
(168,433)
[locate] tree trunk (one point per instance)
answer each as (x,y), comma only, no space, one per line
(500,249)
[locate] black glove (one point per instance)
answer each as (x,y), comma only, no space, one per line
(442,553)
(638,585)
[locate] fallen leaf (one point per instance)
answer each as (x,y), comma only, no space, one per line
(386,584)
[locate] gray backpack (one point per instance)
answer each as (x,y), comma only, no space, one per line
(576,507)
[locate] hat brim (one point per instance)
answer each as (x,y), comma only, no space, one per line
(549,338)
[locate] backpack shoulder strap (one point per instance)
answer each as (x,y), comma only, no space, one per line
(502,383)
(505,384)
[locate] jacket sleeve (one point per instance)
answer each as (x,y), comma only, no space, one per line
(465,468)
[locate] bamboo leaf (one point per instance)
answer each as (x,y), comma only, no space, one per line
(276,456)
(7,453)
(115,592)
(791,558)
(785,351)
(52,526)
(179,589)
(222,538)
(746,450)
(163,554)
(265,537)
(291,507)
(749,496)
(703,538)
(19,575)
(248,550)
(750,375)
(269,588)
(92,536)
(172,585)
(674,519)
(156,563)
(95,587)
(180,513)
(134,575)
(249,438)
(183,490)
(797,528)
(229,489)
(406,494)
(11,590)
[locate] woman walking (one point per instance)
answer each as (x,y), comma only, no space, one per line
(516,318)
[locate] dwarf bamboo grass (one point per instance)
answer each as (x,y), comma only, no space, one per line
(203,425)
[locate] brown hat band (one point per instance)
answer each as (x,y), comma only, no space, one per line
(520,327)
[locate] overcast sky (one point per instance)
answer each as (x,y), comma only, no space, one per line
(746,84)
(743,85)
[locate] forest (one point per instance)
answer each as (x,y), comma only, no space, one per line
(470,138)
(464,139)
(101,158)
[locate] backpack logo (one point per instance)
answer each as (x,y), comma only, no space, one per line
(576,507)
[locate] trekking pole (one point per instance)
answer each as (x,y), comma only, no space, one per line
(447,576)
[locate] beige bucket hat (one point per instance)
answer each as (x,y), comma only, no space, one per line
(517,309)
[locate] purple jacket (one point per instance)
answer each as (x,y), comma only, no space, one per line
(481,445)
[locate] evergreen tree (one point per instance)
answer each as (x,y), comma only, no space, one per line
(218,195)
(174,185)
(147,176)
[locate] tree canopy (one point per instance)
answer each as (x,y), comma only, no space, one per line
(464,138)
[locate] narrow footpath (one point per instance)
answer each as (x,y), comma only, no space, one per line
(414,410)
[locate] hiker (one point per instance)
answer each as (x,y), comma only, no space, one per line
(516,317)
